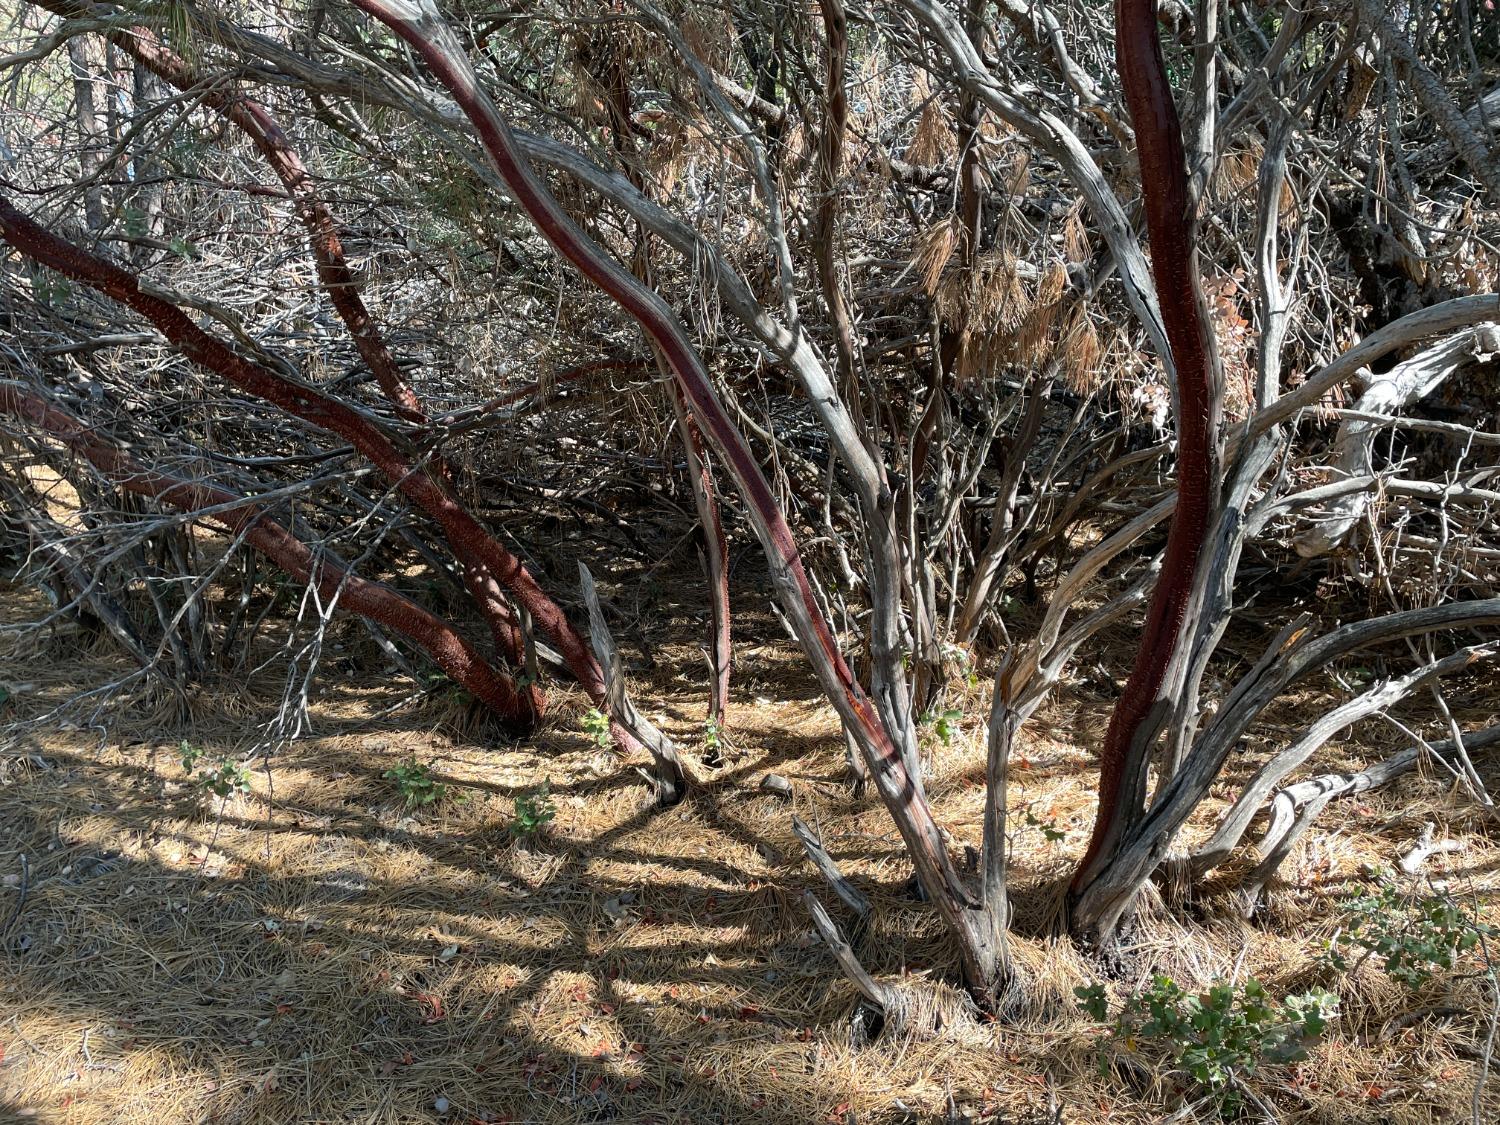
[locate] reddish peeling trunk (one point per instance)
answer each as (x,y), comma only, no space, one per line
(518,709)
(1170,225)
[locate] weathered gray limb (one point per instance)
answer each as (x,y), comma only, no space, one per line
(1445,316)
(1429,91)
(818,854)
(1113,889)
(1470,775)
(1285,806)
(1003,531)
(671,781)
(1040,26)
(1233,825)
(994,856)
(1406,383)
(1273,857)
(1203,117)
(1483,117)
(871,989)
(1427,846)
(1095,560)
(1466,435)
(1049,667)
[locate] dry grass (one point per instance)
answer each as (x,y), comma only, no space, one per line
(314,953)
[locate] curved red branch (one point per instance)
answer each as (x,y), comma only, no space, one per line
(417,22)
(519,710)
(467,537)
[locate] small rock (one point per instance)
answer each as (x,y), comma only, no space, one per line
(775,783)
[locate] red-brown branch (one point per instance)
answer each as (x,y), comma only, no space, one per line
(1170,225)
(468,538)
(518,709)
(417,22)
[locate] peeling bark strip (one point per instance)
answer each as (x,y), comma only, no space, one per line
(420,25)
(1169,222)
(465,534)
(242,517)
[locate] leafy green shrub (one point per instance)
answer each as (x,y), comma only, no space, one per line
(534,811)
(415,783)
(1415,937)
(227,779)
(1218,1035)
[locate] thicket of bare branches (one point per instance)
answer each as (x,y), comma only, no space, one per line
(992,337)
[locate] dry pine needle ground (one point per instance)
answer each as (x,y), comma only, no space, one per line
(313,952)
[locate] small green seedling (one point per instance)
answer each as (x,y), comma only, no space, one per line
(965,661)
(596,726)
(189,755)
(1050,831)
(414,782)
(227,779)
(1217,1036)
(944,723)
(711,736)
(534,811)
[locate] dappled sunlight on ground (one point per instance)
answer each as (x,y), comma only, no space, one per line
(313,950)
